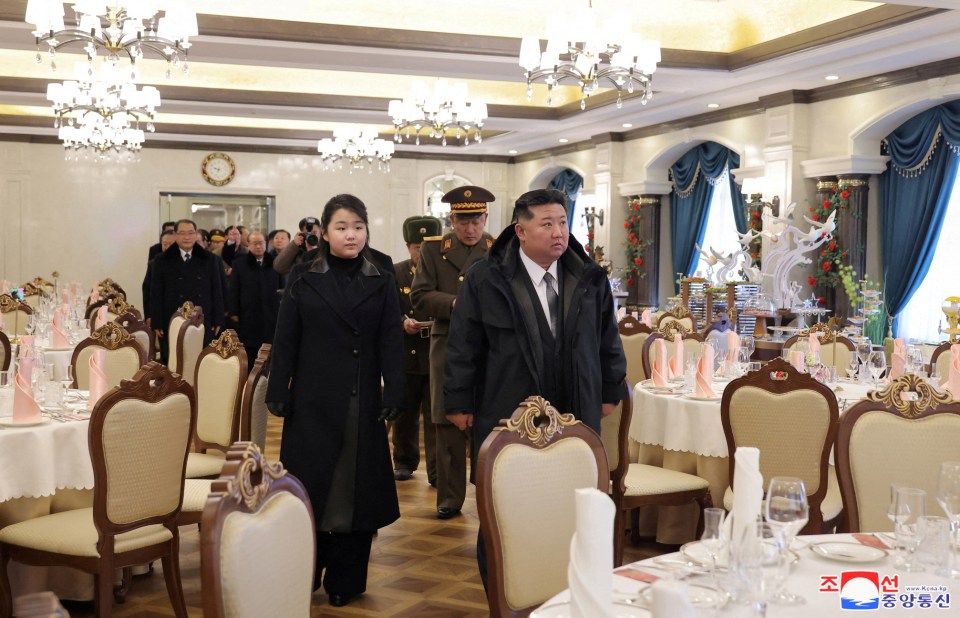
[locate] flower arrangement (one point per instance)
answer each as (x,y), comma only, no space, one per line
(873,326)
(755,225)
(826,272)
(635,246)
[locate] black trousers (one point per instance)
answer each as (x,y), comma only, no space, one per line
(406,429)
(341,564)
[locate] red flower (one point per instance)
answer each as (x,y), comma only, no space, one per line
(590,235)
(630,281)
(823,253)
(844,194)
(826,266)
(631,236)
(815,217)
(638,261)
(811,280)
(587,248)
(821,300)
(832,246)
(826,203)
(756,215)
(626,225)
(811,209)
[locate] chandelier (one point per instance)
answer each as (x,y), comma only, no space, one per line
(590,51)
(445,109)
(117,26)
(358,146)
(102,113)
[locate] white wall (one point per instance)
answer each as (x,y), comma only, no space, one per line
(91,220)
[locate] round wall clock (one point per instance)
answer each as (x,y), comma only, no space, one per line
(218,168)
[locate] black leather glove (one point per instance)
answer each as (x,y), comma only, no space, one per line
(279,408)
(389,414)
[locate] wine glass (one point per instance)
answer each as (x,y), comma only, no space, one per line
(877,364)
(743,359)
(66,377)
(948,497)
(759,563)
(852,368)
(914,362)
(908,513)
(864,347)
(31,324)
(747,341)
(713,540)
(787,509)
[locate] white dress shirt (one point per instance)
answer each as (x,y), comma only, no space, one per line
(536,273)
(184,254)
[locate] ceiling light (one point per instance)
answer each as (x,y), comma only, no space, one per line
(627,125)
(357,145)
(445,109)
(713,105)
(832,78)
(512,152)
(102,112)
(563,140)
(579,43)
(115,29)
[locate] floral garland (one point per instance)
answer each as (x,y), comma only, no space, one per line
(754,225)
(635,246)
(827,272)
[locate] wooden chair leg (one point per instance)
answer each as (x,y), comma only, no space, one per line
(120,592)
(103,593)
(171,575)
(635,527)
(6,594)
(619,534)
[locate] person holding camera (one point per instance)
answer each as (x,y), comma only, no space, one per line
(302,247)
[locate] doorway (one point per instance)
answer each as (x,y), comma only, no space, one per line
(218,211)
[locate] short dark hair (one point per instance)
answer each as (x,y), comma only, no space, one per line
(204,234)
(275,232)
(305,221)
(537,197)
(349,202)
(166,233)
(240,228)
(176,226)
(229,228)
(167,224)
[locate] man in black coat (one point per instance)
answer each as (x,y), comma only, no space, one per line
(253,300)
(185,272)
(158,248)
(166,239)
(534,317)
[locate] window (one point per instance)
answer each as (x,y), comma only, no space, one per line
(578,225)
(921,317)
(721,233)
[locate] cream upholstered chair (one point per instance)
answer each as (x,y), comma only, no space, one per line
(633,485)
(5,353)
(16,313)
(139,436)
(185,338)
(32,294)
(253,406)
(633,334)
(116,306)
(898,435)
(940,362)
(792,419)
(691,345)
(139,330)
(835,349)
(256,509)
(219,379)
(526,477)
(123,356)
(680,315)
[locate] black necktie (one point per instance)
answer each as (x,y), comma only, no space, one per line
(259,262)
(553,301)
(186,257)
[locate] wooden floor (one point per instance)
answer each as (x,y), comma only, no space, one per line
(419,566)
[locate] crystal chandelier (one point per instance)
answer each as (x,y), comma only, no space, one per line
(102,113)
(358,146)
(445,109)
(117,26)
(590,51)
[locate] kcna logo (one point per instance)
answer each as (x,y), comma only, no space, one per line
(868,590)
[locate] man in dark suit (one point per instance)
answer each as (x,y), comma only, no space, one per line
(253,301)
(416,344)
(157,249)
(185,272)
(166,239)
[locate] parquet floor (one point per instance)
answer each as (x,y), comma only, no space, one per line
(419,567)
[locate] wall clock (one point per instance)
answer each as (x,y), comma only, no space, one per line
(218,168)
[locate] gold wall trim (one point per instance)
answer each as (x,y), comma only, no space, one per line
(827,185)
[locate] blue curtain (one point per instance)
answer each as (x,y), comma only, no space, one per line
(690,200)
(570,183)
(914,192)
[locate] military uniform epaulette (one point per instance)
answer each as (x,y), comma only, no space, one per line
(432,238)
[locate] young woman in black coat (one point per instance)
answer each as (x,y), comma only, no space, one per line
(337,335)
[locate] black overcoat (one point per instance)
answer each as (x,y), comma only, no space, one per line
(201,281)
(329,353)
(253,298)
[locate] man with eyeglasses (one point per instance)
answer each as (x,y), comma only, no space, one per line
(186,271)
(253,301)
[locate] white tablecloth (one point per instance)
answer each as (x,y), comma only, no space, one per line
(806,580)
(37,461)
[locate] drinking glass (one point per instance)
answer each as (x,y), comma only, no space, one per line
(713,541)
(787,509)
(747,341)
(864,347)
(31,324)
(743,359)
(908,513)
(6,393)
(852,368)
(760,559)
(948,497)
(877,364)
(66,377)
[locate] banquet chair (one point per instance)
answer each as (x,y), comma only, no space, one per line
(633,485)
(139,435)
(219,379)
(899,435)
(527,471)
(835,350)
(31,294)
(185,338)
(116,306)
(93,308)
(5,353)
(681,315)
(16,313)
(940,362)
(633,333)
(691,346)
(256,509)
(792,419)
(123,356)
(253,407)
(137,328)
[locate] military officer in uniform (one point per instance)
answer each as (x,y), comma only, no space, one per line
(443,263)
(416,343)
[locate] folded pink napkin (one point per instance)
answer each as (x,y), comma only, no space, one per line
(898,360)
(74,289)
(733,345)
(953,378)
(676,361)
(94,294)
(705,373)
(25,369)
(101,316)
(647,318)
(798,359)
(661,370)
(98,379)
(59,340)
(65,296)
(25,408)
(621,313)
(814,344)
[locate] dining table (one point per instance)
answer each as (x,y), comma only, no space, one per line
(831,572)
(679,431)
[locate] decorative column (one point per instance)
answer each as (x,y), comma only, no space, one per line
(826,187)
(852,231)
(644,289)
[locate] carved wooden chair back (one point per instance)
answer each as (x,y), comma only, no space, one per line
(123,356)
(253,407)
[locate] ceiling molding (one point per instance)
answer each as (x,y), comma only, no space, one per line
(854,164)
(644,187)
